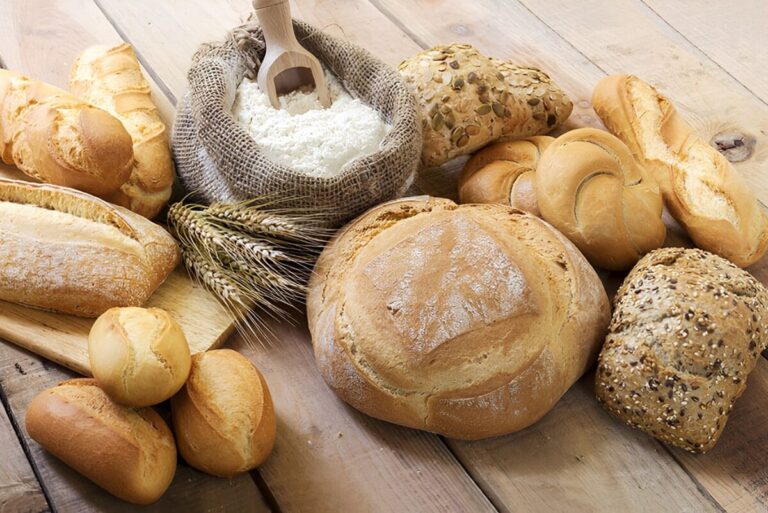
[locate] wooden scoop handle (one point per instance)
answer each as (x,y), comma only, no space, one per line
(275,20)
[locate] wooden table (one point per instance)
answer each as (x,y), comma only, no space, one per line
(709,56)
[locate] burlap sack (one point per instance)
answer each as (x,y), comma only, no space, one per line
(217,158)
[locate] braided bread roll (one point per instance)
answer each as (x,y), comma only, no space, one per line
(590,188)
(701,188)
(504,173)
(111,78)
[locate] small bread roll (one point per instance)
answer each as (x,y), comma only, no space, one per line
(130,453)
(590,187)
(139,356)
(223,417)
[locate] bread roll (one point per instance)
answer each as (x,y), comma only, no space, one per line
(223,417)
(590,188)
(139,356)
(702,190)
(111,78)
(504,173)
(469,321)
(54,137)
(128,452)
(687,330)
(468,100)
(69,252)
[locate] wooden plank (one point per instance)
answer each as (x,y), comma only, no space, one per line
(733,35)
(19,489)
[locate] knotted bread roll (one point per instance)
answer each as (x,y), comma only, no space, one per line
(591,189)
(470,321)
(702,190)
(504,173)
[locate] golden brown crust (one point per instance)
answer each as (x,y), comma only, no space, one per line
(470,321)
(592,189)
(56,138)
(687,330)
(504,173)
(69,252)
(128,452)
(111,78)
(223,417)
(702,190)
(468,100)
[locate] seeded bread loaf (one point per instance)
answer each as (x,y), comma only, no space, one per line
(470,321)
(504,173)
(468,100)
(687,329)
(66,251)
(56,138)
(701,189)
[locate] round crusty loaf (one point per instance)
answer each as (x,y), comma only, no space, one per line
(504,173)
(470,321)
(128,452)
(687,330)
(590,188)
(223,417)
(139,356)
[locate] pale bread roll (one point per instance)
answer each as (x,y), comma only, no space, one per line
(139,356)
(591,188)
(470,321)
(702,190)
(223,417)
(128,452)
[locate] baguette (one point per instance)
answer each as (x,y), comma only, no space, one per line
(111,79)
(69,252)
(702,190)
(56,138)
(128,452)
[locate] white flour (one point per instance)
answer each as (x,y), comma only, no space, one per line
(303,135)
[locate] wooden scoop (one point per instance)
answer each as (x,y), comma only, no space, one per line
(287,66)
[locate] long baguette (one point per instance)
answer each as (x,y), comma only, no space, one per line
(57,138)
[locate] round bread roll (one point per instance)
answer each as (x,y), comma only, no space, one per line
(470,321)
(223,417)
(128,452)
(504,173)
(590,187)
(139,356)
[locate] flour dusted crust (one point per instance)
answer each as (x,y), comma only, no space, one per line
(470,321)
(468,100)
(69,252)
(687,330)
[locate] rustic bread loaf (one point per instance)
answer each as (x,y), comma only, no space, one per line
(139,356)
(54,137)
(702,190)
(69,252)
(223,417)
(470,321)
(128,452)
(111,78)
(468,100)
(590,188)
(504,173)
(687,329)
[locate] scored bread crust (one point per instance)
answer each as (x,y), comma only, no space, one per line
(504,173)
(718,210)
(591,188)
(111,79)
(469,321)
(687,330)
(128,452)
(117,258)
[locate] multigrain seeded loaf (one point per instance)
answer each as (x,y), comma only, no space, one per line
(467,100)
(470,321)
(687,329)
